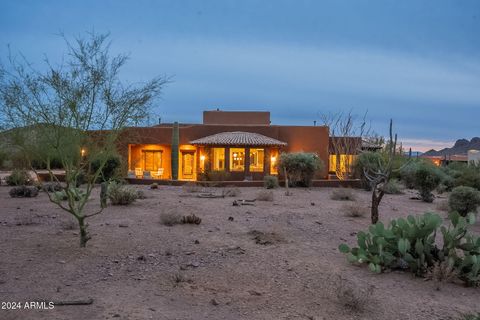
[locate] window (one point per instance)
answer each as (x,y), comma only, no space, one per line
(274,161)
(237,159)
(152,160)
(218,159)
(345,163)
(256,160)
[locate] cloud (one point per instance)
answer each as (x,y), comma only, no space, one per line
(425,144)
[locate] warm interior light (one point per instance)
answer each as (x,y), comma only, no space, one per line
(202,158)
(82,152)
(273,158)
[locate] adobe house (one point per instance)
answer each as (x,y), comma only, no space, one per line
(243,144)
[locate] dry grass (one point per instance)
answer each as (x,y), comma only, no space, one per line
(231,192)
(355,210)
(170,218)
(442,272)
(266,238)
(343,194)
(265,195)
(350,295)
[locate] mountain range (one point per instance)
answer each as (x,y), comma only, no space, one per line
(460,147)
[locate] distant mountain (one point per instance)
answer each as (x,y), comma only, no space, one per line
(460,147)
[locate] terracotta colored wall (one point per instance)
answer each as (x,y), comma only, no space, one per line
(236,117)
(299,138)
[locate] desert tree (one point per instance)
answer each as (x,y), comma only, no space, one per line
(379,174)
(348,133)
(73,111)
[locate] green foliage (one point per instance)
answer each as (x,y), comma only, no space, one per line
(23,192)
(120,194)
(270,182)
(410,244)
(407,174)
(427,179)
(108,168)
(63,195)
(217,175)
(3,158)
(301,167)
(393,187)
(367,161)
(18,178)
(464,200)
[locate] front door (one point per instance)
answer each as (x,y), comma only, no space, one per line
(188,164)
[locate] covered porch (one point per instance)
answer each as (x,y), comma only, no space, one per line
(237,156)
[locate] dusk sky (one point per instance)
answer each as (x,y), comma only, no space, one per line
(417,62)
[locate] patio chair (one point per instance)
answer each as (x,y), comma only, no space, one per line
(139,172)
(158,174)
(131,174)
(147,175)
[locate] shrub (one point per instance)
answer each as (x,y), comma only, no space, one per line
(170,218)
(410,244)
(427,178)
(407,175)
(191,219)
(120,194)
(300,167)
(270,182)
(265,195)
(393,187)
(349,295)
(464,200)
(18,178)
(355,211)
(218,175)
(110,168)
(343,194)
(369,161)
(23,192)
(52,187)
(154,186)
(231,192)
(61,195)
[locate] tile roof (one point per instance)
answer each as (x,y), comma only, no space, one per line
(238,138)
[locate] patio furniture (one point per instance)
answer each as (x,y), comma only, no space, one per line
(147,175)
(138,172)
(158,174)
(131,174)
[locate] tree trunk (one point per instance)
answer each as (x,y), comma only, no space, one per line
(376,199)
(84,237)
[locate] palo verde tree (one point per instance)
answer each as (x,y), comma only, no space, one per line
(378,174)
(73,112)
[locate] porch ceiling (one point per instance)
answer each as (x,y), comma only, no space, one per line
(238,138)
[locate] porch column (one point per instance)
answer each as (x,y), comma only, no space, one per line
(266,162)
(208,160)
(227,159)
(247,162)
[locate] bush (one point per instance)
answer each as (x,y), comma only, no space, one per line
(410,244)
(218,175)
(23,192)
(393,187)
(369,161)
(77,195)
(270,182)
(18,178)
(301,167)
(170,218)
(427,179)
(264,195)
(52,187)
(154,186)
(343,194)
(120,194)
(109,170)
(231,192)
(355,211)
(464,200)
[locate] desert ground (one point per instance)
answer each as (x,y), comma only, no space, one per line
(272,260)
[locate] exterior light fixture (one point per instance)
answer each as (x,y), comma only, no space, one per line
(202,158)
(82,152)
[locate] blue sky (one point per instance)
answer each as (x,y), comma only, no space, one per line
(417,62)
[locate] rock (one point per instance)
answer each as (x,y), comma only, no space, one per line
(62,261)
(195,264)
(197,242)
(230,218)
(141,258)
(116,315)
(254,293)
(151,255)
(123,225)
(312,203)
(214,302)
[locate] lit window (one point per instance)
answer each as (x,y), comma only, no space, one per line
(218,159)
(256,160)
(237,159)
(274,161)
